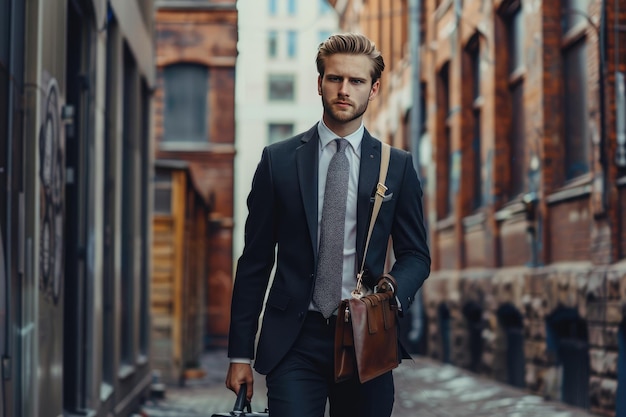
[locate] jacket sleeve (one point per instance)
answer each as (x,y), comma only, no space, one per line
(410,242)
(255,264)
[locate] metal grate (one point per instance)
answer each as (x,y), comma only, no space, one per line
(571,345)
(620,406)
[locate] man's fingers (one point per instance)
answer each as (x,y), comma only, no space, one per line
(250,390)
(238,374)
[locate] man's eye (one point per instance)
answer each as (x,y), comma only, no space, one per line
(357,81)
(334,78)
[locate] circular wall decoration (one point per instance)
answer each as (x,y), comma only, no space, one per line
(51,170)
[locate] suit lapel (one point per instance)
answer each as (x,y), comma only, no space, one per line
(307,166)
(368,178)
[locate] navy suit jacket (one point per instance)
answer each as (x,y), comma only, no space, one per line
(282,227)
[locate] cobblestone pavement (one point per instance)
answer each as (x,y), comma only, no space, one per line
(424,388)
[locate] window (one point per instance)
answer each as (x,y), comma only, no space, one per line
(575,110)
(517,139)
(515,37)
(272,44)
(281,87)
(574,98)
(186,104)
(292,8)
(272,7)
(279,131)
(473,105)
(163,192)
(292,43)
(474,56)
(445,158)
(620,87)
(324,7)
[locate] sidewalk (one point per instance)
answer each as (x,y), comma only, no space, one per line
(424,388)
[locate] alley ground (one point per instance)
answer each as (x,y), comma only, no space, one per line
(424,388)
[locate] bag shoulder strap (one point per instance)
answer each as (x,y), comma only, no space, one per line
(385,154)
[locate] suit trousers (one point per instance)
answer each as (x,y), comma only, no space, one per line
(303,381)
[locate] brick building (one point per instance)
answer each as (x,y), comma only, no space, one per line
(525,183)
(196,47)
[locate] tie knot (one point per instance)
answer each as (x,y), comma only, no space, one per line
(342,144)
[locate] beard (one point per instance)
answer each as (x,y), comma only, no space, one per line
(347,115)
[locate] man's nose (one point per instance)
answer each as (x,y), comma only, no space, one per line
(343,90)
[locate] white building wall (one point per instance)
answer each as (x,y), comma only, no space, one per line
(253,110)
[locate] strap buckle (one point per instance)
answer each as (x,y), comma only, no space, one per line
(381,189)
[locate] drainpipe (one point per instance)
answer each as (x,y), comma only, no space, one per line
(417,332)
(414,48)
(604,157)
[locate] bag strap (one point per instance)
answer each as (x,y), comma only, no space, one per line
(385,154)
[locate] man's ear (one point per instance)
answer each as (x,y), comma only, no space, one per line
(319,85)
(374,90)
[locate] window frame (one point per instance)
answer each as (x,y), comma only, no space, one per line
(275,138)
(272,7)
(272,44)
(292,7)
(274,77)
(292,44)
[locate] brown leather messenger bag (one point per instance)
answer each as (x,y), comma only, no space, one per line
(366,335)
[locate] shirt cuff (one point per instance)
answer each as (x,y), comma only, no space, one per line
(399,303)
(241,360)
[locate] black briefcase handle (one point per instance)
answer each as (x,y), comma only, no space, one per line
(241,402)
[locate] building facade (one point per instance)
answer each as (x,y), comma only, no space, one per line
(276,82)
(196,47)
(525,119)
(75,169)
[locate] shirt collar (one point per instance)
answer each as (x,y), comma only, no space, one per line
(326,136)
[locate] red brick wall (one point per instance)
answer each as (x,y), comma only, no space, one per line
(570,230)
(514,242)
(474,248)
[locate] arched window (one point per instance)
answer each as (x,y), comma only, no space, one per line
(473,313)
(568,341)
(443,318)
(511,321)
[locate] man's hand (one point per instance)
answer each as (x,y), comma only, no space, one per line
(240,373)
(386,284)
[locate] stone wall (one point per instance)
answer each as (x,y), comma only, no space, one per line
(596,294)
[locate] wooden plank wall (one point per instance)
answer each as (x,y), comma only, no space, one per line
(166,289)
(196,271)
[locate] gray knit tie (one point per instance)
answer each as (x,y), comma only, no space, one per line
(327,293)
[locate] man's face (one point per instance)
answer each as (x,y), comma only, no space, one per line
(346,89)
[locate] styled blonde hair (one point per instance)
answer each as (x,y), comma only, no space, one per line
(352,44)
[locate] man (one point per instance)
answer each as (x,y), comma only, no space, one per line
(287,211)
